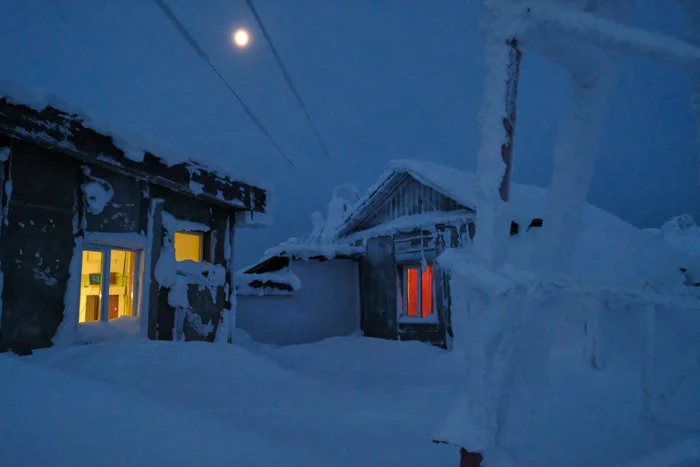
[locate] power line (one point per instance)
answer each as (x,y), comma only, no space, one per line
(288,78)
(198,49)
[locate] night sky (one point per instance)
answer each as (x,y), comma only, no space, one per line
(383,79)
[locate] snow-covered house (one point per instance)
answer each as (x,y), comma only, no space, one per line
(388,244)
(98,233)
(420,209)
(305,289)
(415,212)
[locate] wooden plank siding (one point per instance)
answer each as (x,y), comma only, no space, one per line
(380,270)
(378,282)
(407,197)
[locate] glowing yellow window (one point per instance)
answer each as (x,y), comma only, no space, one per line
(188,246)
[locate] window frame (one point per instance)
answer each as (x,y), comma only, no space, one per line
(106,250)
(401,291)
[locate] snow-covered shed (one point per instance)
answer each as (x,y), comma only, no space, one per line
(420,209)
(300,292)
(98,232)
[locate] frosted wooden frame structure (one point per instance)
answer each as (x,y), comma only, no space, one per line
(505,24)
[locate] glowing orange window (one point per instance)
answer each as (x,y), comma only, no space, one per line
(412,292)
(427,291)
(418,290)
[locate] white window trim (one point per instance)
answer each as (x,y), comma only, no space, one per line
(402,311)
(105,249)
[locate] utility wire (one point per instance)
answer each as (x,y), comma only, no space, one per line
(198,49)
(288,78)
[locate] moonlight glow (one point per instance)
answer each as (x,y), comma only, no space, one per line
(241,38)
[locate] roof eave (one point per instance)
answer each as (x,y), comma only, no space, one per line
(66,133)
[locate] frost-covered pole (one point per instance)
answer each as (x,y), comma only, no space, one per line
(593,76)
(498,114)
(512,78)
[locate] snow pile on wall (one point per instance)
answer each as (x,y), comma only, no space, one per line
(178,276)
(282,282)
(680,231)
(98,193)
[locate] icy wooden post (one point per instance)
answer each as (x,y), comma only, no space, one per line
(514,56)
(498,114)
(648,329)
(594,334)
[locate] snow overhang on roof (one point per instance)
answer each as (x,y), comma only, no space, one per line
(279,257)
(455,184)
(281,282)
(39,120)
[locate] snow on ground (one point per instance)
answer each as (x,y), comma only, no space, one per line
(50,418)
(349,401)
(346,401)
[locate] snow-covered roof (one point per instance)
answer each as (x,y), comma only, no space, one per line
(411,222)
(304,251)
(278,258)
(48,120)
(453,183)
(272,274)
(609,249)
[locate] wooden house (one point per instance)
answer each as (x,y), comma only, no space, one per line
(388,243)
(415,212)
(96,233)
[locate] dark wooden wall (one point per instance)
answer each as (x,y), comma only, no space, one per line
(200,298)
(380,282)
(45,211)
(37,242)
(127,211)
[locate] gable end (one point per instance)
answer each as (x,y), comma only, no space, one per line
(402,195)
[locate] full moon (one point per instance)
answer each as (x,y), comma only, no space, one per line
(241,38)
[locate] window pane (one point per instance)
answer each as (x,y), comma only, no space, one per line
(121,284)
(188,246)
(427,292)
(90,286)
(412,291)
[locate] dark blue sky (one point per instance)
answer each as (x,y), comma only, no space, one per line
(384,79)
